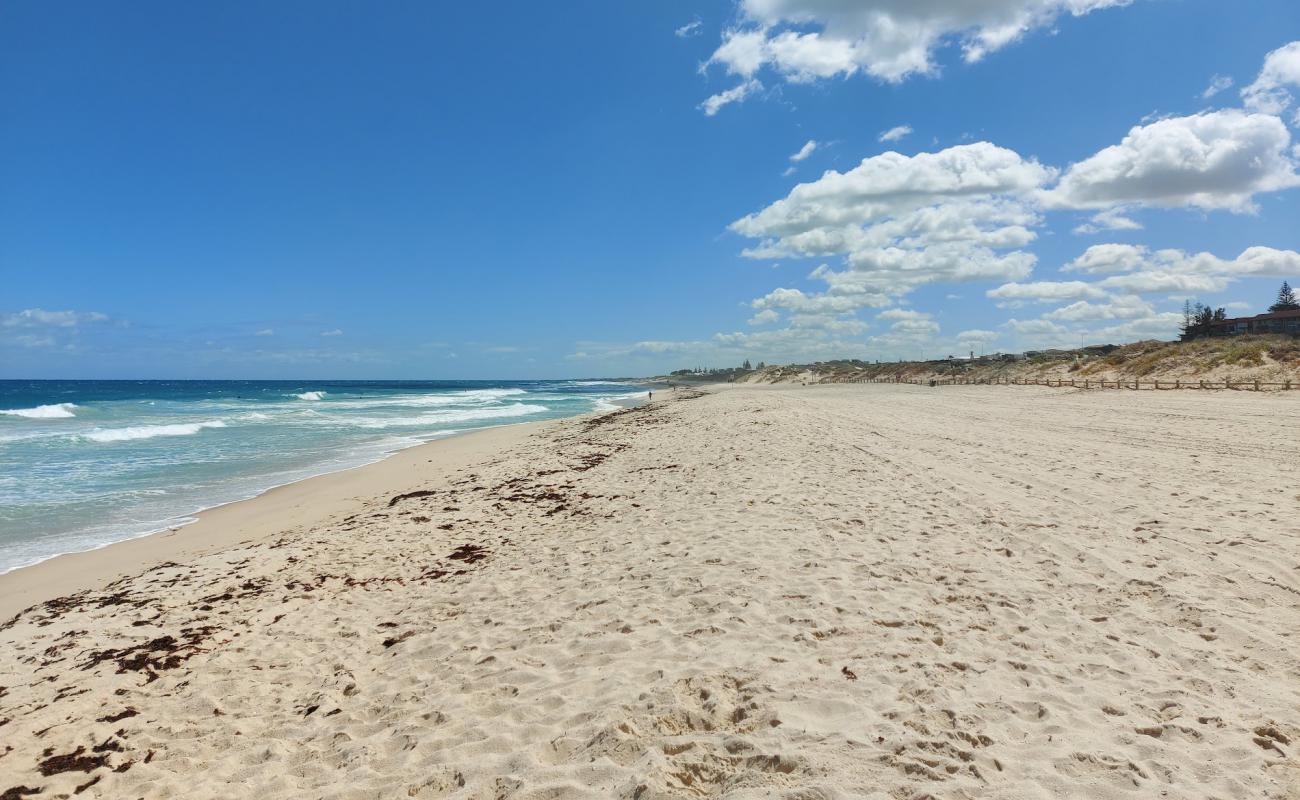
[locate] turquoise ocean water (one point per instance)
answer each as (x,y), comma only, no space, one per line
(88,463)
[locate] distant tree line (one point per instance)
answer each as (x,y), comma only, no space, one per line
(715,372)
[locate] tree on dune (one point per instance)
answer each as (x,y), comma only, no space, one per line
(1286,300)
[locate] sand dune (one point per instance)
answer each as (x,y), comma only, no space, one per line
(822,592)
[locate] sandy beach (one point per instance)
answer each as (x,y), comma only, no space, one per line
(836,591)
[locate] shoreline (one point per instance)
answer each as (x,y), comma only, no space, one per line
(18,586)
(249,519)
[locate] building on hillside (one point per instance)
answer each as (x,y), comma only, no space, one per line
(1277,322)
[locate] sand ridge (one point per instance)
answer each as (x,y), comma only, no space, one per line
(799,592)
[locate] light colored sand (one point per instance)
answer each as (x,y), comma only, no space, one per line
(299,504)
(840,591)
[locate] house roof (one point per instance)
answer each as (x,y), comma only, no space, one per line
(1261,317)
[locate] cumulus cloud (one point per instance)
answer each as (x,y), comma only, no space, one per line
(807,40)
(736,94)
(977,336)
(1122,307)
(902,314)
(1105,258)
(1042,333)
(900,222)
(1164,282)
(1271,93)
(805,151)
(1215,160)
(1112,219)
(894,223)
(895,133)
(1154,326)
(1253,261)
(891,183)
(908,329)
(1134,270)
(1045,291)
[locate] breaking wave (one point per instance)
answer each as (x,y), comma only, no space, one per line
(56,411)
(150,431)
(457,415)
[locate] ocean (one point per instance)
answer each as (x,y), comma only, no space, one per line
(88,463)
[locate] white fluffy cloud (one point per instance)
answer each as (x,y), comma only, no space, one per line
(1154,326)
(805,40)
(891,183)
(804,151)
(894,223)
(1256,261)
(1122,307)
(1106,258)
(977,336)
(899,222)
(1042,333)
(895,133)
(1212,160)
(1133,271)
(735,94)
(1046,291)
(1164,282)
(1271,91)
(1111,219)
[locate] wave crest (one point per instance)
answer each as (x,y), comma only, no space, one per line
(150,431)
(452,415)
(311,396)
(55,411)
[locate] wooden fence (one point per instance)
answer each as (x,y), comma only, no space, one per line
(1075,383)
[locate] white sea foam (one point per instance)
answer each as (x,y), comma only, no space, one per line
(608,402)
(450,415)
(457,398)
(56,411)
(149,431)
(311,396)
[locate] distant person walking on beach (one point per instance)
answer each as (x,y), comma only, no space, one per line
(650,396)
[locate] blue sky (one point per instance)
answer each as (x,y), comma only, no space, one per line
(423,191)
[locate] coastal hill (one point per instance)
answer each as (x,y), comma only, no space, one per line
(1269,358)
